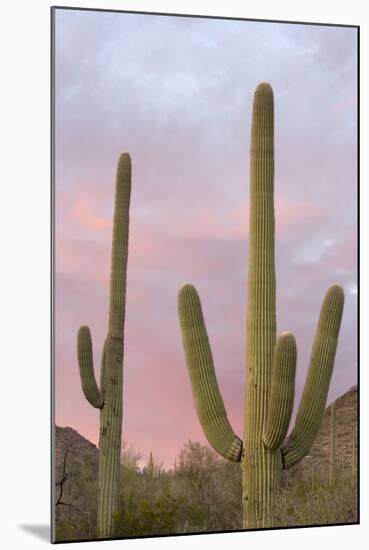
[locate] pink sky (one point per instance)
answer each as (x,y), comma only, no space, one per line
(177,94)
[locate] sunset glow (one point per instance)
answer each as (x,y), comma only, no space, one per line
(176,93)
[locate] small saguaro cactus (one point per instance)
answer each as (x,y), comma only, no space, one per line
(150,467)
(108,397)
(270,363)
(353,457)
(332,447)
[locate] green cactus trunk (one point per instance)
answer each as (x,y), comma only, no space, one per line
(109,397)
(261,467)
(270,363)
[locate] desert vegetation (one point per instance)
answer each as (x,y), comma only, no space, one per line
(201,492)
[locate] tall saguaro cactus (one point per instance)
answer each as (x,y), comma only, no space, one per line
(270,363)
(108,397)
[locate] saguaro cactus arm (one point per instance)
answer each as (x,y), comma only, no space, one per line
(86,368)
(208,400)
(282,391)
(311,409)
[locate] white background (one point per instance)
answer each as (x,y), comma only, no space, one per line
(25,268)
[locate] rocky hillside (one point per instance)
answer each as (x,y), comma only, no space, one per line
(68,439)
(346,435)
(76,485)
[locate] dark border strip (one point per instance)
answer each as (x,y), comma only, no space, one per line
(201,16)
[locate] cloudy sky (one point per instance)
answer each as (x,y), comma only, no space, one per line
(177,94)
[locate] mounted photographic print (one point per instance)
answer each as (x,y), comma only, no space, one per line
(205,203)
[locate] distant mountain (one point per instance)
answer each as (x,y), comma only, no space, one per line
(346,433)
(76,485)
(80,448)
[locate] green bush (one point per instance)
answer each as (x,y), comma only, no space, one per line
(203,493)
(314,502)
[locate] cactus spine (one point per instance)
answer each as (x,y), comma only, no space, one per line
(270,364)
(108,398)
(332,447)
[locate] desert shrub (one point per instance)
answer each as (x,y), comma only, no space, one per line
(312,502)
(209,489)
(201,493)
